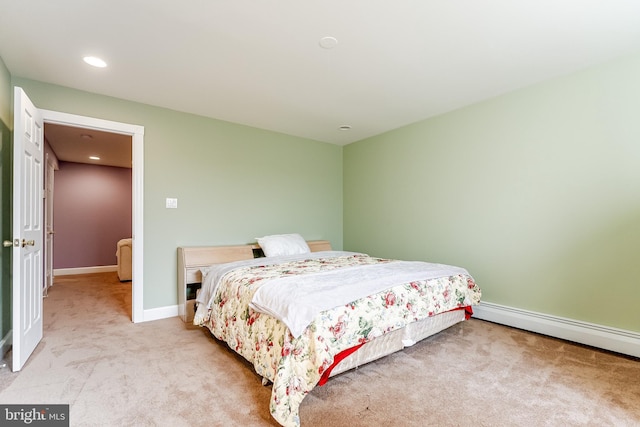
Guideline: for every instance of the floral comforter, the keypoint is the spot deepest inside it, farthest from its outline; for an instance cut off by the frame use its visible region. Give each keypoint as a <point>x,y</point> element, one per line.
<point>295,365</point>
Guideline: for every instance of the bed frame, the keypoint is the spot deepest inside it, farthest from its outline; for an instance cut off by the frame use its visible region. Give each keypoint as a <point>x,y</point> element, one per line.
<point>191,259</point>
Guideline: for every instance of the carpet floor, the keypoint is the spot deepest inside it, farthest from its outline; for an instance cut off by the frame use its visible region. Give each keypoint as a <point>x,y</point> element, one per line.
<point>166,373</point>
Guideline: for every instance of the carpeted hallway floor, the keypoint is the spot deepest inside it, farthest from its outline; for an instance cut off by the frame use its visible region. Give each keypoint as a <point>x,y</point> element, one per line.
<point>165,373</point>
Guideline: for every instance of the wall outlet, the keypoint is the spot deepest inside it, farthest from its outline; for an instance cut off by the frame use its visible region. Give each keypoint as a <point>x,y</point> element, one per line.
<point>172,203</point>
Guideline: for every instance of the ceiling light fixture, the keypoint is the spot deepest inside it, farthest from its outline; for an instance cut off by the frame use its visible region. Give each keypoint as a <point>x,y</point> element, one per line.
<point>95,61</point>
<point>94,157</point>
<point>345,127</point>
<point>328,42</point>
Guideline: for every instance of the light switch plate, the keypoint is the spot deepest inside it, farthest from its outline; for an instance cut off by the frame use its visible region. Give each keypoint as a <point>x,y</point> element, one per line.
<point>172,203</point>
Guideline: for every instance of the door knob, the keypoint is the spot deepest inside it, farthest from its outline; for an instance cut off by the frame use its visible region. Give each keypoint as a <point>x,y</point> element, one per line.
<point>28,243</point>
<point>10,243</point>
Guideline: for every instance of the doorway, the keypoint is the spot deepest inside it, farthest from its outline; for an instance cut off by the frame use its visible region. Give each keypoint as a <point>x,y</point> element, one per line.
<point>89,172</point>
<point>137,141</point>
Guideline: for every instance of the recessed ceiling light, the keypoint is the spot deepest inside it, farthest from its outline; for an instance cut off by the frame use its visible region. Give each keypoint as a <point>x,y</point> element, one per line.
<point>345,127</point>
<point>95,61</point>
<point>328,42</point>
<point>94,157</point>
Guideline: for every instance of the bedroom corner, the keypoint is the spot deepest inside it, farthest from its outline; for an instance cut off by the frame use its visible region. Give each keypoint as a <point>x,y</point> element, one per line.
<point>536,191</point>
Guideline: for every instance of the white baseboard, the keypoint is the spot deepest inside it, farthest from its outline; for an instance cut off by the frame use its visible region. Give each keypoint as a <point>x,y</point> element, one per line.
<point>5,343</point>
<point>84,270</point>
<point>612,339</point>
<point>160,313</point>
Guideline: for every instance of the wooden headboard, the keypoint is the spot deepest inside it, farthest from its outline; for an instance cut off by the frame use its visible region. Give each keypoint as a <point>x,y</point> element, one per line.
<point>192,258</point>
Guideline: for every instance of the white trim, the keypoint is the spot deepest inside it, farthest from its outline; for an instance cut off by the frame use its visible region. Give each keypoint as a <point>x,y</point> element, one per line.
<point>84,270</point>
<point>5,343</point>
<point>137,137</point>
<point>160,313</point>
<point>137,249</point>
<point>66,119</point>
<point>605,337</point>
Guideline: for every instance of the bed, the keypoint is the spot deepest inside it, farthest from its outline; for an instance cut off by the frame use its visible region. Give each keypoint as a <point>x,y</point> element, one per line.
<point>269,309</point>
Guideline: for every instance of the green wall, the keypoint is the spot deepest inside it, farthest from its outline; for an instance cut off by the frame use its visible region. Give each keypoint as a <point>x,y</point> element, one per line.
<point>233,183</point>
<point>6,96</point>
<point>5,199</point>
<point>536,193</point>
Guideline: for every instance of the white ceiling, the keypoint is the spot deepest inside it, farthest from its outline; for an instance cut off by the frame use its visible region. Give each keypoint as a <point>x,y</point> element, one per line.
<point>259,63</point>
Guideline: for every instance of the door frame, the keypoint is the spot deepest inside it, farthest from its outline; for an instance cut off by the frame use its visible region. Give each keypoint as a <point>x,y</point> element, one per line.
<point>50,165</point>
<point>137,177</point>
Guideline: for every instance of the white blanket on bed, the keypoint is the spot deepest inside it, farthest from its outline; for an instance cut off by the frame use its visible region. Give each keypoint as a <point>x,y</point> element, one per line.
<point>297,300</point>
<point>212,274</point>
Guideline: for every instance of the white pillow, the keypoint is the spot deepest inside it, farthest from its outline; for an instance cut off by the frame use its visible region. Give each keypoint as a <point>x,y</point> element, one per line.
<point>283,244</point>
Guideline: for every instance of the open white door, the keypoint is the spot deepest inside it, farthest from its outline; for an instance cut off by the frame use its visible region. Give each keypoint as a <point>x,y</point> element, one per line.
<point>27,228</point>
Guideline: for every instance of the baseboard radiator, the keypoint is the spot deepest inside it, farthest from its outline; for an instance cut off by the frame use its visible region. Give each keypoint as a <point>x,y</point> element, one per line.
<point>607,338</point>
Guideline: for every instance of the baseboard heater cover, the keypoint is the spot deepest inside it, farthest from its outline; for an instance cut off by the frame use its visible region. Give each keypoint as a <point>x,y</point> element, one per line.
<point>604,337</point>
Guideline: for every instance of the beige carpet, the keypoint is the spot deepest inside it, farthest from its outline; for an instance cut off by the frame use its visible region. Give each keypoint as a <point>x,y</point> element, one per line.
<point>165,373</point>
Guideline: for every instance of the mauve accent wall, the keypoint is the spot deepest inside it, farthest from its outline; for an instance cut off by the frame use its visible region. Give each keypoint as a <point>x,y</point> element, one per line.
<point>91,212</point>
